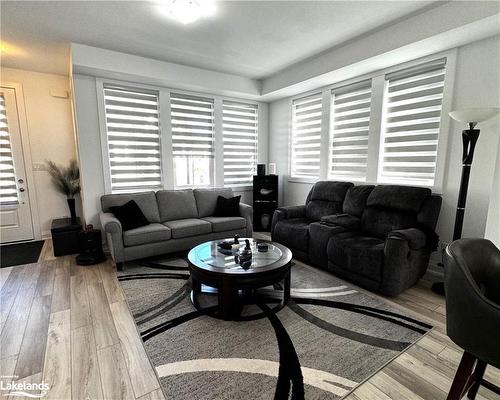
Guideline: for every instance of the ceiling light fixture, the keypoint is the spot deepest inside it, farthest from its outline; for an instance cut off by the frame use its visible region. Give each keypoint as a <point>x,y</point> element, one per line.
<point>187,11</point>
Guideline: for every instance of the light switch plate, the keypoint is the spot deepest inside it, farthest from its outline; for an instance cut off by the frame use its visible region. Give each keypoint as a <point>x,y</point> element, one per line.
<point>39,167</point>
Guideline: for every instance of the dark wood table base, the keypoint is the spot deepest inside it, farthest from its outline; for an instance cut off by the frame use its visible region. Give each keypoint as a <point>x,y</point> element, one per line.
<point>234,291</point>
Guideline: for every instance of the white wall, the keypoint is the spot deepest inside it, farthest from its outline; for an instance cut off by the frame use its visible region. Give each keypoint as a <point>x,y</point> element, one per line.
<point>89,146</point>
<point>493,221</point>
<point>51,136</point>
<point>94,61</point>
<point>477,84</point>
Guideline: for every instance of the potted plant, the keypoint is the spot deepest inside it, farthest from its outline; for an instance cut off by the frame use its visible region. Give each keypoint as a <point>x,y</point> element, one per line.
<point>67,181</point>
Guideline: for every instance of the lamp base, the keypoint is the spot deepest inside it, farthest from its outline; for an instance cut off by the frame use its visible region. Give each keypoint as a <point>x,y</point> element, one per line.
<point>438,288</point>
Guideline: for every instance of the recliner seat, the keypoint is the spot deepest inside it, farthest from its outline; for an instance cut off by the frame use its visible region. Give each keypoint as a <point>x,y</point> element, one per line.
<point>290,225</point>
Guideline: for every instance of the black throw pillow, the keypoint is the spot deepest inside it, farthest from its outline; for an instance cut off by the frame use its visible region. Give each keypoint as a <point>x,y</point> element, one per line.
<point>228,207</point>
<point>129,215</point>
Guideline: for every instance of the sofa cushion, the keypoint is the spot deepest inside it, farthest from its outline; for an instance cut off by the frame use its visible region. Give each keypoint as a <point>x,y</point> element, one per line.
<point>326,198</point>
<point>293,232</point>
<point>188,227</point>
<point>146,234</point>
<point>379,223</point>
<point>145,200</point>
<point>227,207</point>
<point>176,204</point>
<point>357,253</point>
<point>129,215</point>
<point>206,200</point>
<point>221,224</point>
<point>402,198</point>
<point>355,199</point>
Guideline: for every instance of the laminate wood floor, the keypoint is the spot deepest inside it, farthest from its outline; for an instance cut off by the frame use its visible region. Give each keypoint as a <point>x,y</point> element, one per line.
<point>69,326</point>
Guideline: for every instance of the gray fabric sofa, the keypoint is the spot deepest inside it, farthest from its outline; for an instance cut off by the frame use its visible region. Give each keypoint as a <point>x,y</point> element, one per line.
<point>179,220</point>
<point>374,236</point>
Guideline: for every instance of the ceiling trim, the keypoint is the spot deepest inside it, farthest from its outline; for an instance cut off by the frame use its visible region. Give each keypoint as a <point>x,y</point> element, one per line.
<point>87,60</point>
<point>450,25</point>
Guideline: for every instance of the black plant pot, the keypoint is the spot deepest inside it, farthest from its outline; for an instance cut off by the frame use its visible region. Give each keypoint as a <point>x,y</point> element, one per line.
<point>71,205</point>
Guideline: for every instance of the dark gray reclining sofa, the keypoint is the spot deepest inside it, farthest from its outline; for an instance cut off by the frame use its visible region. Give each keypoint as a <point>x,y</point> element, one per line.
<point>374,236</point>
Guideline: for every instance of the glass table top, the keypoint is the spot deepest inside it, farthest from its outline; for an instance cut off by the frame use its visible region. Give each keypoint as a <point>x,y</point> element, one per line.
<point>211,254</point>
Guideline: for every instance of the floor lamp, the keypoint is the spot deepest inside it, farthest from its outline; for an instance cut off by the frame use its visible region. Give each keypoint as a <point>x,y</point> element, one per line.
<point>471,117</point>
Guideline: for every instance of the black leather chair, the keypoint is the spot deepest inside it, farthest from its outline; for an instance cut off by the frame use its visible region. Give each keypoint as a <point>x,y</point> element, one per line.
<point>472,285</point>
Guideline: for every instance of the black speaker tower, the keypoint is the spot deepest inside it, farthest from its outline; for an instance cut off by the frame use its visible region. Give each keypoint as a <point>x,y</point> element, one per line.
<point>265,201</point>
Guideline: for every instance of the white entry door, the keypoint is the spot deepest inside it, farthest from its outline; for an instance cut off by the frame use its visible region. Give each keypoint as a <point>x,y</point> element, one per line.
<point>15,211</point>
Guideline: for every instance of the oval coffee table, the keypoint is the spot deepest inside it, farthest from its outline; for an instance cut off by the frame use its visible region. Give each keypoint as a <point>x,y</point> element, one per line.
<point>210,267</point>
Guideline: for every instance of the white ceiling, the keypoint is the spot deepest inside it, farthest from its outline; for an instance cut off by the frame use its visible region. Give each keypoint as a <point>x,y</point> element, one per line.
<point>254,39</point>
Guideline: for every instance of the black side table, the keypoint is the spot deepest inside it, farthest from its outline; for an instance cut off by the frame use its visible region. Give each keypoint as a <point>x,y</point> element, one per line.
<point>65,236</point>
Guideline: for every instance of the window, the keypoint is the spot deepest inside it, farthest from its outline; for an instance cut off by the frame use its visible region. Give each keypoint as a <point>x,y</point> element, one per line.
<point>133,137</point>
<point>239,132</point>
<point>386,127</point>
<point>192,139</point>
<point>306,136</point>
<point>412,116</point>
<point>8,188</point>
<point>349,132</point>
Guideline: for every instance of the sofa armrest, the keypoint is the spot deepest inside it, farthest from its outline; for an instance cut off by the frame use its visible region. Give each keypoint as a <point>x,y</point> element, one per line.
<point>246,211</point>
<point>405,260</point>
<point>415,238</point>
<point>110,223</point>
<point>293,211</point>
<point>349,222</point>
<point>113,228</point>
<point>283,213</point>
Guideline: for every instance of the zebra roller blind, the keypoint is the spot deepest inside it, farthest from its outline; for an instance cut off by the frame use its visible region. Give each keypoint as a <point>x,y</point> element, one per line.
<point>412,118</point>
<point>239,132</point>
<point>306,136</point>
<point>350,129</point>
<point>133,135</point>
<point>192,126</point>
<point>8,188</point>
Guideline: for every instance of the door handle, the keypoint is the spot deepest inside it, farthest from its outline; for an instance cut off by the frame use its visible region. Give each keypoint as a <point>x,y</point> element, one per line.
<point>20,181</point>
<point>21,190</point>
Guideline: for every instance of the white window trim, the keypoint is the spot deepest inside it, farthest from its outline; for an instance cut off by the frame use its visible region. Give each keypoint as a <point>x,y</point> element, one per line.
<point>290,137</point>
<point>377,119</point>
<point>168,181</point>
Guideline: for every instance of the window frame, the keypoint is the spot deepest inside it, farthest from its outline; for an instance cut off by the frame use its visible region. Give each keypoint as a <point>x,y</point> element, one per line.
<point>377,119</point>
<point>257,130</point>
<point>331,134</point>
<point>212,163</point>
<point>324,125</point>
<point>104,134</point>
<point>164,112</point>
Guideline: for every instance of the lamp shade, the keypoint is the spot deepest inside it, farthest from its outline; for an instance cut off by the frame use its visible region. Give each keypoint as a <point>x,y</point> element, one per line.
<point>474,115</point>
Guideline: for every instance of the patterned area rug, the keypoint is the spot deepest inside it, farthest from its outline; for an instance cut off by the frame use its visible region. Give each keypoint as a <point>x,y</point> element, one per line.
<point>327,340</point>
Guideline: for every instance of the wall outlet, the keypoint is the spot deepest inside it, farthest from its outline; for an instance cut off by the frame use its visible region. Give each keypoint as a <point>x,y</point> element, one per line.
<point>62,94</point>
<point>39,166</point>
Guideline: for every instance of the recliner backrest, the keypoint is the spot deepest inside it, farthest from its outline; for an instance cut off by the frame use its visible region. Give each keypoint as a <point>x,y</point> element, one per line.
<point>391,207</point>
<point>355,199</point>
<point>326,198</point>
